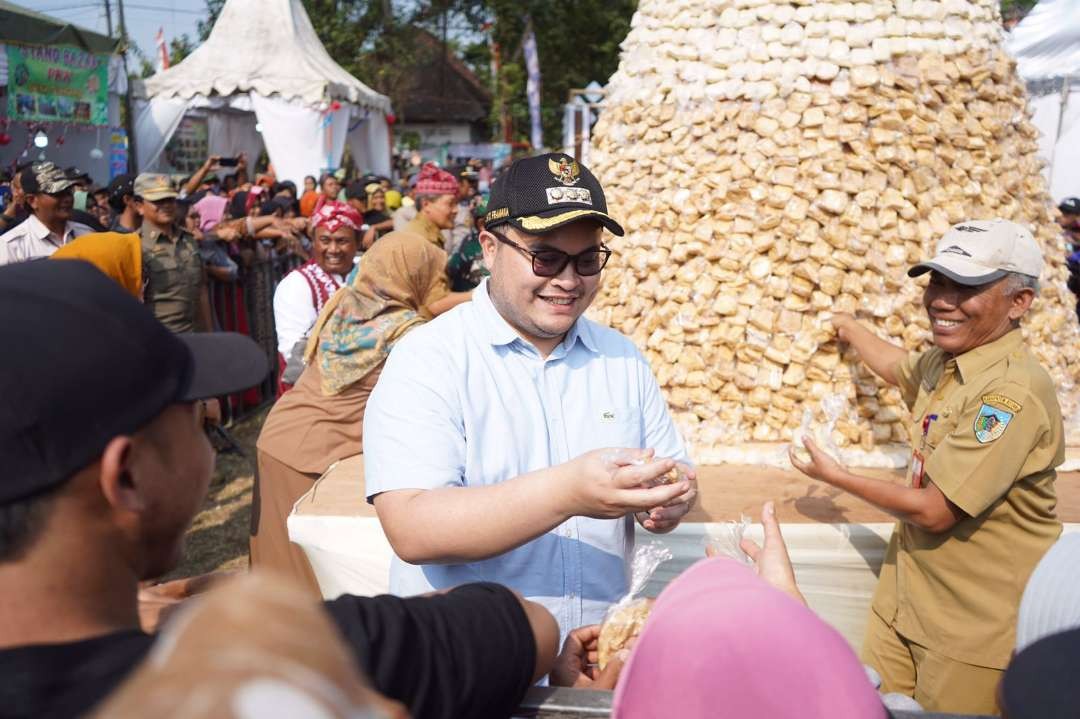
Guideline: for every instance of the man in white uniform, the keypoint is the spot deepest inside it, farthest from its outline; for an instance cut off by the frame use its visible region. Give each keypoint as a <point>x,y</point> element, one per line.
<point>49,227</point>
<point>514,441</point>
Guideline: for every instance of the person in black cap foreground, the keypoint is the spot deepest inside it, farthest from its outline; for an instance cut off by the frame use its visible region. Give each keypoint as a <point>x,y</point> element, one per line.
<point>533,408</point>
<point>1040,682</point>
<point>48,196</point>
<point>104,465</point>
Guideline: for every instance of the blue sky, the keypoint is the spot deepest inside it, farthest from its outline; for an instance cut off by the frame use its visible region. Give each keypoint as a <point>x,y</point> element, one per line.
<point>143,17</point>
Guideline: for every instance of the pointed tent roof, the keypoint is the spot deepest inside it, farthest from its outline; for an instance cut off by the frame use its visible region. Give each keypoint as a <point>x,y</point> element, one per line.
<point>268,47</point>
<point>1046,43</point>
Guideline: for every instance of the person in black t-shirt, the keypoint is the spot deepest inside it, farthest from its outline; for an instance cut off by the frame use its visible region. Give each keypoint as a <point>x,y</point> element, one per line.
<point>104,466</point>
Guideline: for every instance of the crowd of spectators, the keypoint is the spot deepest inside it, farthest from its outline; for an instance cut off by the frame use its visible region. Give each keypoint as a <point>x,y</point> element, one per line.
<point>108,444</point>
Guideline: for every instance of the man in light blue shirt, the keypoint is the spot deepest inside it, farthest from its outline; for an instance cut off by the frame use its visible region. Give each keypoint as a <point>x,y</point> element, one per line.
<point>512,440</point>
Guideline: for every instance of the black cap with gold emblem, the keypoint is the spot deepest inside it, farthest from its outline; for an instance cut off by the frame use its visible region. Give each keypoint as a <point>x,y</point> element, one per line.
<point>540,194</point>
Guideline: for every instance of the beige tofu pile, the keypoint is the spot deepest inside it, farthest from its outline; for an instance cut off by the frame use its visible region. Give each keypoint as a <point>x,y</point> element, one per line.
<point>775,163</point>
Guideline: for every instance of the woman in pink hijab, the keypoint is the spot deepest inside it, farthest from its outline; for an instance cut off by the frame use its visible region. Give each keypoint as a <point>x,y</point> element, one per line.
<point>722,642</point>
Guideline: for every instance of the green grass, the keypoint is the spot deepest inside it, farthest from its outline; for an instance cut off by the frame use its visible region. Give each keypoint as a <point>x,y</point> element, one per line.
<point>218,538</point>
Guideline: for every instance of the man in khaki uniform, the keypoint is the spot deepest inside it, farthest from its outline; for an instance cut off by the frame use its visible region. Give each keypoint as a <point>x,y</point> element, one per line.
<point>175,277</point>
<point>977,511</point>
<point>436,205</point>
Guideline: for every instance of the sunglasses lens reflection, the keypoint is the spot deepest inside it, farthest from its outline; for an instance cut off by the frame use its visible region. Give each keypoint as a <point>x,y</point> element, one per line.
<point>549,264</point>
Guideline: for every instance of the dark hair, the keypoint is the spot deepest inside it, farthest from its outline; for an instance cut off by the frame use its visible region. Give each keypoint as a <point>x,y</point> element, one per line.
<point>355,191</point>
<point>116,202</point>
<point>21,523</point>
<point>279,187</point>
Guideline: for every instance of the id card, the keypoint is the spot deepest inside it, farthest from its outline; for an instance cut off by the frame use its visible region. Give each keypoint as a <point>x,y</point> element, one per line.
<point>917,469</point>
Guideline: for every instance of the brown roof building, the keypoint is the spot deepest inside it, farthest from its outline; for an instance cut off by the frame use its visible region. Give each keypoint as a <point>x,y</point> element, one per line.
<point>445,101</point>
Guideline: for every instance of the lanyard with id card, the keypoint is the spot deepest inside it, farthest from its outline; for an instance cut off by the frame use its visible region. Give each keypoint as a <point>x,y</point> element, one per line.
<point>918,460</point>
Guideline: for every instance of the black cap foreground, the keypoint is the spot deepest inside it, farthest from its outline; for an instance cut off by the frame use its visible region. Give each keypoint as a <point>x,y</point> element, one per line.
<point>541,194</point>
<point>82,362</point>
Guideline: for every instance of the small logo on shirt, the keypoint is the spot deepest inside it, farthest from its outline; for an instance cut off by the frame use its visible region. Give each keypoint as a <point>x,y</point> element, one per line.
<point>607,416</point>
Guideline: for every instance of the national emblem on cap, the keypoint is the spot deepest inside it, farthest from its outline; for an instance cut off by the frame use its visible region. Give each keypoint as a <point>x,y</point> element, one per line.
<point>541,194</point>
<point>565,170</point>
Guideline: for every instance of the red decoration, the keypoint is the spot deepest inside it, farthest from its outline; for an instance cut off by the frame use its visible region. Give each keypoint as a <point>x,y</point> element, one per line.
<point>391,118</point>
<point>4,138</point>
<point>335,106</point>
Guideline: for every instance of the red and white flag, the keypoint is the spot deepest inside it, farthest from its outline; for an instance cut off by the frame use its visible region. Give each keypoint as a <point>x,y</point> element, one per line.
<point>162,50</point>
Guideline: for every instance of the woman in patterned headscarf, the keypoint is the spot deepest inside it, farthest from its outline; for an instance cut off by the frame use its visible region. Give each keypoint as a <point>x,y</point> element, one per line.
<point>400,283</point>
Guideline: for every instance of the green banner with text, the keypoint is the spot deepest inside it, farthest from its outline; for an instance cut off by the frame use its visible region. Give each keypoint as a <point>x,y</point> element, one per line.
<point>57,84</point>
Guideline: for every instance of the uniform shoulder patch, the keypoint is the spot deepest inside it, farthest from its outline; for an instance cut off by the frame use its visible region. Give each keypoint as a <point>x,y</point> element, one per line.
<point>991,422</point>
<point>1001,401</point>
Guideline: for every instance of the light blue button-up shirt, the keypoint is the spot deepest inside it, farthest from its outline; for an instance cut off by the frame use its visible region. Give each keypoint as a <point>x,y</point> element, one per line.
<point>463,402</point>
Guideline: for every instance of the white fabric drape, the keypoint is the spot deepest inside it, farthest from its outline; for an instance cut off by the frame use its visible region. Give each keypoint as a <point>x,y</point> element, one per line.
<point>229,134</point>
<point>1059,140</point>
<point>1046,43</point>
<point>155,122</point>
<point>296,139</point>
<point>369,144</point>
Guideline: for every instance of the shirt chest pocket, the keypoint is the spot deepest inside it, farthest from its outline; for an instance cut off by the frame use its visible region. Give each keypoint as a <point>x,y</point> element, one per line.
<point>613,426</point>
<point>941,427</point>
<point>171,272</point>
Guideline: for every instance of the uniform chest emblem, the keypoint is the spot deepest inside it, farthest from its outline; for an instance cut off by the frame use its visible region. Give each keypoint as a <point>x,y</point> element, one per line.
<point>607,416</point>
<point>991,422</point>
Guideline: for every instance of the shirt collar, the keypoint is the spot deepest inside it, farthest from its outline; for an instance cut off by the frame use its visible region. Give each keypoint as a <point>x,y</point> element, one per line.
<point>150,236</point>
<point>429,229</point>
<point>500,333</point>
<point>36,230</point>
<point>974,361</point>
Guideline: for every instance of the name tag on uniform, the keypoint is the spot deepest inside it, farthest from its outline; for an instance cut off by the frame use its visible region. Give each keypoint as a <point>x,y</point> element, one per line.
<point>917,469</point>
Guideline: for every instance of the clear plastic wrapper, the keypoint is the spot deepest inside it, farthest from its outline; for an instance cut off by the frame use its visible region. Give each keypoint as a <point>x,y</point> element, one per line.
<point>724,539</point>
<point>622,457</point>
<point>834,407</point>
<point>625,619</point>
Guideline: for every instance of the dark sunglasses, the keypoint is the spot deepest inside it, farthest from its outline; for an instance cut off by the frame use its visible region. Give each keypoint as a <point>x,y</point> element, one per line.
<point>550,263</point>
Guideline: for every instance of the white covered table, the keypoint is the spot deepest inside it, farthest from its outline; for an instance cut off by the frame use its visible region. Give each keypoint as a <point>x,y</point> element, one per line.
<point>836,542</point>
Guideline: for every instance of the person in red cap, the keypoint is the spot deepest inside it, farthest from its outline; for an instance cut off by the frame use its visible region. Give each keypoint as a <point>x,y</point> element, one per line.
<point>436,204</point>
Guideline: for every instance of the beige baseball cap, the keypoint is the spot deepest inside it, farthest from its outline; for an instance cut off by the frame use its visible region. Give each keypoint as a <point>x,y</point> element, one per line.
<point>154,187</point>
<point>975,252</point>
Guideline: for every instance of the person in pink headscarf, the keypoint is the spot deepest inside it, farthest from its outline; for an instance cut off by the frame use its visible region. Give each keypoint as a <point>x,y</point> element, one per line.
<point>722,640</point>
<point>302,293</point>
<point>211,210</point>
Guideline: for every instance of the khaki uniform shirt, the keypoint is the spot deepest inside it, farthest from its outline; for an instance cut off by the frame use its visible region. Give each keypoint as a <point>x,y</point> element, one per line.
<point>427,229</point>
<point>992,451</point>
<point>174,276</point>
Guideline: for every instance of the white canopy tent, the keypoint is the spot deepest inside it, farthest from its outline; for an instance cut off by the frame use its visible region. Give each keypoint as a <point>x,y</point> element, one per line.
<point>1046,45</point>
<point>263,63</point>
